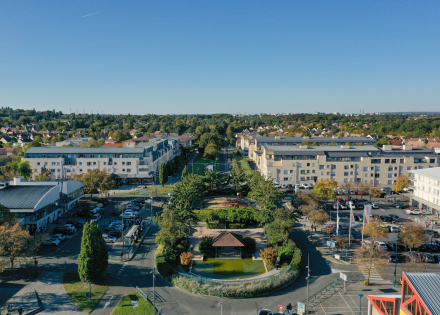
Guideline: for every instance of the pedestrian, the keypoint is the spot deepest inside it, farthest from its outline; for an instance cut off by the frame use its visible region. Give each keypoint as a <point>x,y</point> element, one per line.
<point>289,308</point>
<point>315,227</point>
<point>122,255</point>
<point>20,311</point>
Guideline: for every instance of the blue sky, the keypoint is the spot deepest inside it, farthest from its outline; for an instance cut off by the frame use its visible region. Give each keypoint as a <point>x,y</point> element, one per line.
<point>173,57</point>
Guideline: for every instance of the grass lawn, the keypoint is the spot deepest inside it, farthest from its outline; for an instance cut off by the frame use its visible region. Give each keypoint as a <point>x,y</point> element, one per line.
<point>125,307</point>
<point>76,290</point>
<point>160,191</point>
<point>199,163</point>
<point>244,165</point>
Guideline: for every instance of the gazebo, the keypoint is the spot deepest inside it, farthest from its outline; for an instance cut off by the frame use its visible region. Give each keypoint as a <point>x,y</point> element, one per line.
<point>226,243</point>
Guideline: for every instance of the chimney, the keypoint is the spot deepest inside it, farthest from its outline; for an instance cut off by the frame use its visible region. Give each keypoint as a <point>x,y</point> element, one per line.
<point>407,147</point>
<point>18,180</point>
<point>387,147</point>
<point>335,137</point>
<point>303,147</point>
<point>306,137</point>
<point>345,147</point>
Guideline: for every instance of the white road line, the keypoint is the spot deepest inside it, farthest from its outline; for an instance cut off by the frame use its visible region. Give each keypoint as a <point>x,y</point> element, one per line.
<point>108,303</point>
<point>346,302</point>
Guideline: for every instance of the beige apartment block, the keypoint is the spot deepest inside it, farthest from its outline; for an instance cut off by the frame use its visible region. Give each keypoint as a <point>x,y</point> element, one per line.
<point>298,164</point>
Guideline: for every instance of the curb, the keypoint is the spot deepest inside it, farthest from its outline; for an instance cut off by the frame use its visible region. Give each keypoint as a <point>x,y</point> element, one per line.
<point>140,243</point>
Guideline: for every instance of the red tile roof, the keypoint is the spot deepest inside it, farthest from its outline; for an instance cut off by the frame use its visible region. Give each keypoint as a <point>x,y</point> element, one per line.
<point>228,239</point>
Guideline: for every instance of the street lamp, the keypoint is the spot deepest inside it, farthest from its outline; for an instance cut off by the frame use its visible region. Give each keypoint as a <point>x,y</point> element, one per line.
<point>395,265</point>
<point>154,293</point>
<point>360,303</point>
<point>221,306</point>
<point>308,277</point>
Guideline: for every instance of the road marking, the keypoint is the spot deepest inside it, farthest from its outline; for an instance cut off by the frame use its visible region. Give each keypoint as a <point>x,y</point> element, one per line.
<point>108,303</point>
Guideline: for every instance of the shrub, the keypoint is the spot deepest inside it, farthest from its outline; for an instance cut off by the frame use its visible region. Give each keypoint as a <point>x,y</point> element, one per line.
<point>285,254</point>
<point>291,243</point>
<point>186,258</point>
<point>205,245</point>
<point>171,255</point>
<point>159,251</point>
<point>250,245</point>
<point>296,259</point>
<point>269,256</point>
<point>164,268</point>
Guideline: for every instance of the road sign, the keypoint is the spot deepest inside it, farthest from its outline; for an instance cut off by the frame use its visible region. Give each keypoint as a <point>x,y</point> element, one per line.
<point>301,308</point>
<point>343,276</point>
<point>281,308</point>
<point>143,191</point>
<point>337,257</point>
<point>331,243</point>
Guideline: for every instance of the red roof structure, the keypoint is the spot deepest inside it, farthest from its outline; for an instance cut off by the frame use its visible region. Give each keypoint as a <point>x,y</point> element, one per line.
<point>228,239</point>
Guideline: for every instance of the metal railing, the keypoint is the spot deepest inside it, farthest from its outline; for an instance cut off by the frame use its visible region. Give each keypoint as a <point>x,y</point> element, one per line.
<point>231,282</point>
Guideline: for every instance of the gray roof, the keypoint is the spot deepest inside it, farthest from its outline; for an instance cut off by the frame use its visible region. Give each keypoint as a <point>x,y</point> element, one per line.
<point>314,139</point>
<point>23,197</point>
<point>427,286</point>
<point>433,172</point>
<point>416,152</point>
<point>322,150</point>
<point>79,150</point>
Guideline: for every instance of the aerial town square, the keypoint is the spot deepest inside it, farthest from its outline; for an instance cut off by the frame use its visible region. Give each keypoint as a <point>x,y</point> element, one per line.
<point>219,157</point>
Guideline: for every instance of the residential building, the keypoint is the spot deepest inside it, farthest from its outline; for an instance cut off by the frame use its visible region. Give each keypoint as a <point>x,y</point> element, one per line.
<point>127,164</point>
<point>419,295</point>
<point>426,195</point>
<point>38,203</point>
<point>73,141</point>
<point>367,164</point>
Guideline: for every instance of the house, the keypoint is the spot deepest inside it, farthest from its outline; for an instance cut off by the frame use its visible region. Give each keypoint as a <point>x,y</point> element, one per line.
<point>434,146</point>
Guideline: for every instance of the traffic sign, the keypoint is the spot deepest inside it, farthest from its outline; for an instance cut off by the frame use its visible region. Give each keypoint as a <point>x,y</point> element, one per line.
<point>143,191</point>
<point>281,308</point>
<point>301,308</point>
<point>343,276</point>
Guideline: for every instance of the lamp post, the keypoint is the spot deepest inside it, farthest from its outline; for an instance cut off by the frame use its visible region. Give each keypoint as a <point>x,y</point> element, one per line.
<point>154,293</point>
<point>360,303</point>
<point>395,264</point>
<point>221,306</point>
<point>308,277</point>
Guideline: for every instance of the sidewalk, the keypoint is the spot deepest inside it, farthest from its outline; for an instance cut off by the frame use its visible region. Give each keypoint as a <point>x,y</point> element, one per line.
<point>49,287</point>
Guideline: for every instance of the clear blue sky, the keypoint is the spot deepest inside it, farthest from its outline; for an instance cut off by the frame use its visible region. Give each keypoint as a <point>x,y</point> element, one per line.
<point>207,56</point>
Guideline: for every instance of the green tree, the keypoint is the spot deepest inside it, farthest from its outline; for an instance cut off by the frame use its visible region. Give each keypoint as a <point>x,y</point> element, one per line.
<point>382,142</point>
<point>184,172</point>
<point>44,175</point>
<point>6,216</point>
<point>170,229</point>
<point>96,179</point>
<point>93,257</point>
<point>20,167</point>
<point>12,243</point>
<point>163,175</point>
<point>210,151</point>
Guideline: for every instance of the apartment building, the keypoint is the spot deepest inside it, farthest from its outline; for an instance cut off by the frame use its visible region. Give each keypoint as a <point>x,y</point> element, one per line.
<point>127,164</point>
<point>426,194</point>
<point>250,143</point>
<point>294,164</point>
<point>38,203</point>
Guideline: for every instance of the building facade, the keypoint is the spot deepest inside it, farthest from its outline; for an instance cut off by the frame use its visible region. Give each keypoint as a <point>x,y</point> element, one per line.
<point>128,165</point>
<point>289,165</point>
<point>38,203</point>
<point>426,195</point>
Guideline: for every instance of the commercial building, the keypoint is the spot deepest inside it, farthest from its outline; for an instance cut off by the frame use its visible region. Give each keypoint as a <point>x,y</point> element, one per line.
<point>38,203</point>
<point>289,165</point>
<point>420,295</point>
<point>128,165</point>
<point>426,195</point>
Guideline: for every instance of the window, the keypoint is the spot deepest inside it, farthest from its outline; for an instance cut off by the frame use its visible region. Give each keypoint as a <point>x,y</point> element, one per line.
<point>52,170</point>
<point>393,161</point>
<point>351,173</point>
<point>345,180</point>
<point>328,166</point>
<point>431,160</point>
<point>321,167</point>
<point>303,171</point>
<point>408,168</point>
<point>58,163</point>
<point>402,161</point>
<point>128,163</point>
<point>390,175</point>
<point>375,161</point>
<point>291,171</point>
<point>366,169</point>
<point>293,164</point>
<point>313,171</point>
<point>53,163</point>
<point>376,175</point>
<point>105,163</point>
<point>270,164</point>
<point>377,168</point>
<point>314,164</point>
<point>346,167</point>
<point>333,167</point>
<point>80,170</point>
<point>308,164</point>
<point>89,163</point>
<point>35,170</point>
<point>123,163</point>
<point>345,173</point>
<point>116,163</point>
<point>302,178</point>
<point>80,163</point>
<point>366,174</point>
<point>128,170</point>
<point>299,164</point>
<point>286,172</point>
<point>94,163</point>
<point>328,173</point>
<point>390,182</point>
<point>387,161</point>
<point>38,163</point>
<point>123,169</point>
<point>322,173</point>
<point>390,169</point>
<point>68,170</point>
<point>285,179</point>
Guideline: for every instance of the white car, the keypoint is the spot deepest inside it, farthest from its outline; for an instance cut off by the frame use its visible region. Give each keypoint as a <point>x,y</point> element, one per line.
<point>70,227</point>
<point>380,245</point>
<point>131,211</point>
<point>393,228</point>
<point>171,193</point>
<point>96,218</point>
<point>108,239</point>
<point>128,216</point>
<point>375,206</point>
<point>412,211</point>
<point>60,237</point>
<point>51,242</point>
<point>305,185</point>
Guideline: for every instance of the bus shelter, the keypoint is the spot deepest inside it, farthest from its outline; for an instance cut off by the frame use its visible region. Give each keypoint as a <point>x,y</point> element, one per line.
<point>131,235</point>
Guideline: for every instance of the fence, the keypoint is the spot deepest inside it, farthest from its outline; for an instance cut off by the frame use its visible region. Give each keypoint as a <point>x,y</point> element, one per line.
<point>231,282</point>
<point>331,288</point>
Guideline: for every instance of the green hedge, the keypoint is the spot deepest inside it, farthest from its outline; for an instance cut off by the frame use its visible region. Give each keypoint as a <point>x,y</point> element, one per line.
<point>164,268</point>
<point>296,260</point>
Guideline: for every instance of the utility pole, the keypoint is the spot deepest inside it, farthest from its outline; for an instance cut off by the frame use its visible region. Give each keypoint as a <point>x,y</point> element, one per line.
<point>308,277</point>
<point>349,224</point>
<point>337,218</point>
<point>154,292</point>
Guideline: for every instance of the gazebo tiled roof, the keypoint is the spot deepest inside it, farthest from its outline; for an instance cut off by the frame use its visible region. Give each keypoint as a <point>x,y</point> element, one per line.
<point>228,239</point>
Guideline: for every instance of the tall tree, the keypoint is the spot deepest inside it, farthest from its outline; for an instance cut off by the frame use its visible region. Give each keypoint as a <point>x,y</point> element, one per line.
<point>96,179</point>
<point>412,235</point>
<point>375,230</point>
<point>163,175</point>
<point>324,190</point>
<point>12,243</point>
<point>184,172</point>
<point>93,257</point>
<point>370,257</point>
<point>400,183</point>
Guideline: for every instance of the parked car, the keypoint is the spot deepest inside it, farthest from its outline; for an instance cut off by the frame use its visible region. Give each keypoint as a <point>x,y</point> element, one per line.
<point>413,257</point>
<point>51,242</point>
<point>76,224</point>
<point>82,214</point>
<point>358,217</point>
<point>385,218</point>
<point>131,211</point>
<point>428,247</point>
<point>96,217</point>
<point>412,211</point>
<point>392,257</point>
<point>393,228</point>
<point>128,216</point>
<point>395,217</point>
<point>108,239</point>
<point>60,237</point>
<point>380,245</point>
<point>400,205</point>
<point>109,248</point>
<point>427,258</point>
<point>432,233</point>
<point>332,226</point>
<point>375,206</point>
<point>62,230</point>
<point>265,312</point>
<point>115,233</point>
<point>69,226</point>
<point>392,246</point>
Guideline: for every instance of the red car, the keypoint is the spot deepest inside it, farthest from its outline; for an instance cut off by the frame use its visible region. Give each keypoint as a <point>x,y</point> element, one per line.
<point>332,226</point>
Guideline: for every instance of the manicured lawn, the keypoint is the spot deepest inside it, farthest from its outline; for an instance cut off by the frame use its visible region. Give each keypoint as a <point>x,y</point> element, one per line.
<point>125,307</point>
<point>160,191</point>
<point>244,165</point>
<point>199,163</point>
<point>76,290</point>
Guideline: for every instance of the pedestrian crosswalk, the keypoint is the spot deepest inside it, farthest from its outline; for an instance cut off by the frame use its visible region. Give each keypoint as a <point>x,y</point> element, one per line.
<point>332,269</point>
<point>374,275</point>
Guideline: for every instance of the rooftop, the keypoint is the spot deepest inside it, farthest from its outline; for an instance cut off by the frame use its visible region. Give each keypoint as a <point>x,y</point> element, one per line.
<point>427,286</point>
<point>433,172</point>
<point>228,239</point>
<point>80,150</point>
<point>23,197</point>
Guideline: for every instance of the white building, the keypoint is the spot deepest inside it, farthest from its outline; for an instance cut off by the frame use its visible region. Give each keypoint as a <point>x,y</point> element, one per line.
<point>426,194</point>
<point>38,203</point>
